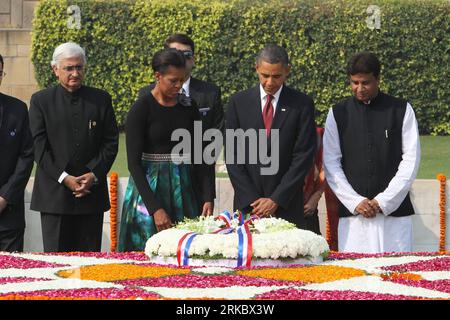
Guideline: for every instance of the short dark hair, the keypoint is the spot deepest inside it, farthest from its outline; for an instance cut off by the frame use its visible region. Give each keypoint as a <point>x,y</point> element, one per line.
<point>179,38</point>
<point>364,62</point>
<point>165,58</point>
<point>1,60</point>
<point>273,54</point>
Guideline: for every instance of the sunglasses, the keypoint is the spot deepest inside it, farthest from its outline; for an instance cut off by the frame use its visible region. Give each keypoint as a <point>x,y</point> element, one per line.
<point>188,54</point>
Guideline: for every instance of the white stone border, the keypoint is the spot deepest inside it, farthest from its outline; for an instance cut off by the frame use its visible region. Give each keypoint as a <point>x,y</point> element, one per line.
<point>231,263</point>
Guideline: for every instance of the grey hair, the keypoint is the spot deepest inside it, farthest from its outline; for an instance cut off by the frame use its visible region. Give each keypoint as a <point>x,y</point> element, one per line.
<point>66,51</point>
<point>273,54</point>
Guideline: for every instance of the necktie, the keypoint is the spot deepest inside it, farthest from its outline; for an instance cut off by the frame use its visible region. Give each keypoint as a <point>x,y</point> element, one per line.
<point>268,114</point>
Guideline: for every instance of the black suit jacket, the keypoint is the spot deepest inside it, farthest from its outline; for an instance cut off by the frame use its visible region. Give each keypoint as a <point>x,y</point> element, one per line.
<point>294,117</point>
<point>16,160</point>
<point>81,142</point>
<point>208,100</point>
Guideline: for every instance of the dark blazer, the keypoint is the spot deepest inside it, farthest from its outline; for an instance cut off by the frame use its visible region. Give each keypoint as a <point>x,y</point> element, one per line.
<point>16,160</point>
<point>75,142</point>
<point>294,117</point>
<point>208,100</point>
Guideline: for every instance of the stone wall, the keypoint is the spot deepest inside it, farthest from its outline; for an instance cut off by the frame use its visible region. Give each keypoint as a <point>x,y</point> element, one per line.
<point>15,46</point>
<point>424,195</point>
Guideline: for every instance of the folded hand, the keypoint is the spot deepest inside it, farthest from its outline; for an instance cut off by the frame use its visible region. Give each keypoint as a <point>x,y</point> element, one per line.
<point>80,186</point>
<point>368,208</point>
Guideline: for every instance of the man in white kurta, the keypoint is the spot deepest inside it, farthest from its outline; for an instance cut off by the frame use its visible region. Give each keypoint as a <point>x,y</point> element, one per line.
<point>378,217</point>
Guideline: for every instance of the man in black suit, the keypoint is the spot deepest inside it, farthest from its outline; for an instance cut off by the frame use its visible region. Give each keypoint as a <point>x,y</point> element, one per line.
<point>76,141</point>
<point>207,97</point>
<point>16,162</point>
<point>283,116</point>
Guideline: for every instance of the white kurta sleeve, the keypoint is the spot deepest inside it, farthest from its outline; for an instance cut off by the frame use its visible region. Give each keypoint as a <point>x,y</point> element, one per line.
<point>392,197</point>
<point>334,173</point>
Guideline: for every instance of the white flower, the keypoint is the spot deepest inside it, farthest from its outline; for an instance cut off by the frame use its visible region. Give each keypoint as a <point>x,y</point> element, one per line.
<point>212,270</point>
<point>268,225</point>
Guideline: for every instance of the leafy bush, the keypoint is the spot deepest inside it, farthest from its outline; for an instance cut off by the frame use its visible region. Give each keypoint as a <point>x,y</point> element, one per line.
<point>120,38</point>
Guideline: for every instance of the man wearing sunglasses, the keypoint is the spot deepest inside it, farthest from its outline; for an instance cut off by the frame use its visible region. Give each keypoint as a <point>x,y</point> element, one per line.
<point>206,95</point>
<point>16,162</point>
<point>76,141</point>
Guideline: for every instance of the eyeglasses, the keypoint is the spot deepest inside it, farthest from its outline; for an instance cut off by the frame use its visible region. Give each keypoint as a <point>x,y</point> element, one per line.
<point>72,68</point>
<point>188,54</point>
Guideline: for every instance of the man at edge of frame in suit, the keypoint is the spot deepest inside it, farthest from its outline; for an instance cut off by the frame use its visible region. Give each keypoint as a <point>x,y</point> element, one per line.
<point>16,163</point>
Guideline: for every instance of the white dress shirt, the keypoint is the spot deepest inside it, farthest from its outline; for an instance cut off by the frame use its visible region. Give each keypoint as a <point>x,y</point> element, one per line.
<point>276,98</point>
<point>185,87</point>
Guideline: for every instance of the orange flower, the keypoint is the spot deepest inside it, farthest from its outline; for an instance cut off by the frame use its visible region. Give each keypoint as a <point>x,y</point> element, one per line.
<point>402,276</point>
<point>328,230</point>
<point>116,272</point>
<point>442,223</point>
<point>113,211</point>
<point>313,274</point>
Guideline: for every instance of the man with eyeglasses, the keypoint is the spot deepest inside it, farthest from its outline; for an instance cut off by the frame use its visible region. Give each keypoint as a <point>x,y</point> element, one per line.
<point>16,162</point>
<point>207,97</point>
<point>76,141</point>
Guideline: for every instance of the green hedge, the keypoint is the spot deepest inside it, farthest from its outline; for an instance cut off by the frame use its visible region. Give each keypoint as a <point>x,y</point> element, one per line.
<point>120,38</point>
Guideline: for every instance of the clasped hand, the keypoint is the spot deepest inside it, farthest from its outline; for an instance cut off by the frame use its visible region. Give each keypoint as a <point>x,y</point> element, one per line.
<point>80,186</point>
<point>368,208</point>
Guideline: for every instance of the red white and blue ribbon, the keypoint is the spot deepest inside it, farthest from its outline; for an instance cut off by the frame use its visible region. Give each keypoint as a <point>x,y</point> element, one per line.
<point>245,246</point>
<point>226,217</point>
<point>241,218</point>
<point>183,248</point>
<point>245,241</point>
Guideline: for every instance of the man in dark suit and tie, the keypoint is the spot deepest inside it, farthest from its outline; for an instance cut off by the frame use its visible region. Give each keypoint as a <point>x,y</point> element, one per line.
<point>76,141</point>
<point>286,117</point>
<point>207,97</point>
<point>16,162</point>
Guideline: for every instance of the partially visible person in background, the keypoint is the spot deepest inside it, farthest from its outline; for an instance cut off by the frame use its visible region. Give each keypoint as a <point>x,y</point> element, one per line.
<point>16,163</point>
<point>314,187</point>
